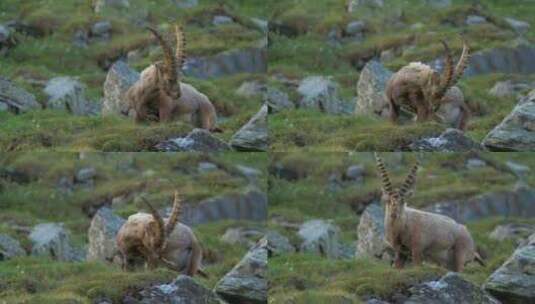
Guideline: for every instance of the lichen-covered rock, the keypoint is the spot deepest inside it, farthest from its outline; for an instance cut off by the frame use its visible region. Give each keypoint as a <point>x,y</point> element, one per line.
<point>253,136</point>
<point>514,281</point>
<point>320,237</point>
<point>512,231</point>
<point>371,232</point>
<point>450,289</point>
<point>102,233</point>
<point>183,289</point>
<point>52,240</point>
<point>102,5</point>
<point>119,79</point>
<point>247,281</point>
<point>371,90</point>
<point>517,131</point>
<point>451,140</point>
<point>15,99</point>
<point>277,100</point>
<point>10,248</point>
<point>197,140</point>
<point>67,93</point>
<point>320,93</point>
<point>278,244</point>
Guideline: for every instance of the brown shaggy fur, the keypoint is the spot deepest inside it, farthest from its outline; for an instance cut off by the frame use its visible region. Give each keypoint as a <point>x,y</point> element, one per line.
<point>159,95</point>
<point>428,236</point>
<point>422,90</point>
<point>160,242</point>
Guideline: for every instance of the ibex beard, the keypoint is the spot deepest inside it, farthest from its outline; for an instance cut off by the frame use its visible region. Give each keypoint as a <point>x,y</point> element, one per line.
<point>160,242</point>
<point>422,90</point>
<point>427,236</point>
<point>160,96</point>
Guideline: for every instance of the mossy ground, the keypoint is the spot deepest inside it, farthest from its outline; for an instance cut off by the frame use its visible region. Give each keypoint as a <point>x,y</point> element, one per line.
<point>36,200</point>
<point>49,52</point>
<point>300,278</point>
<point>309,53</point>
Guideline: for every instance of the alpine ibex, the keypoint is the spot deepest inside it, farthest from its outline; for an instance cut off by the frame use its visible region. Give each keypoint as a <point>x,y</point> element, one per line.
<point>168,243</point>
<point>159,95</point>
<point>420,89</point>
<point>428,236</point>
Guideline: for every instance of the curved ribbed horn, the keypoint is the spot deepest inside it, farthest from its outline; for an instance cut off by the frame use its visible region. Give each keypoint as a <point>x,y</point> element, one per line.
<point>409,181</point>
<point>385,180</point>
<point>159,221</point>
<point>175,213</point>
<point>447,73</point>
<point>180,52</point>
<point>169,60</point>
<point>462,64</point>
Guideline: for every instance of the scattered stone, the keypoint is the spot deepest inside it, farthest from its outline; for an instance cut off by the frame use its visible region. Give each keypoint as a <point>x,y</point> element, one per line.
<point>278,244</point>
<point>65,184</point>
<point>251,174</point>
<point>102,5</point>
<point>438,3</point>
<point>119,79</point>
<point>186,3</point>
<point>277,100</point>
<point>514,281</point>
<point>251,88</point>
<point>247,281</point>
<point>242,236</point>
<point>206,167</point>
<point>16,99</point>
<point>371,233</point>
<point>52,240</point>
<point>67,93</point>
<point>253,136</point>
<point>102,235</point>
<point>387,55</point>
<point>183,289</point>
<point>197,140</point>
<point>355,173</point>
<point>517,131</point>
<point>319,237</point>
<point>517,232</point>
<point>320,93</point>
<point>354,4</point>
<point>250,60</point>
<point>221,20</point>
<point>355,27</point>
<point>450,289</point>
<point>508,89</point>
<point>86,174</point>
<point>474,163</point>
<point>452,140</point>
<point>451,113</point>
<point>518,169</point>
<point>10,248</point>
<point>521,27</point>
<point>370,90</point>
<point>101,30</point>
<point>474,20</point>
<point>5,34</point>
<point>80,39</point>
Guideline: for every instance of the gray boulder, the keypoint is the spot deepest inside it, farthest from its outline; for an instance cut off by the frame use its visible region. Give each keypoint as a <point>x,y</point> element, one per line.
<point>514,281</point>
<point>67,93</point>
<point>251,89</point>
<point>197,140</point>
<point>15,99</point>
<point>521,27</point>
<point>85,175</point>
<point>355,173</point>
<point>320,237</point>
<point>119,79</point>
<point>101,30</point>
<point>247,281</point>
<point>371,233</point>
<point>371,90</point>
<point>438,3</point>
<point>475,20</point>
<point>450,289</point>
<point>513,231</point>
<point>353,5</point>
<point>278,244</point>
<point>320,93</point>
<point>52,240</point>
<point>102,233</point>
<point>355,27</point>
<point>277,100</point>
<point>184,4</point>
<point>10,248</point>
<point>5,34</point>
<point>508,89</point>
<point>451,140</point>
<point>249,60</point>
<point>517,131</point>
<point>242,236</point>
<point>253,136</point>
<point>183,290</point>
<point>221,20</point>
<point>101,6</point>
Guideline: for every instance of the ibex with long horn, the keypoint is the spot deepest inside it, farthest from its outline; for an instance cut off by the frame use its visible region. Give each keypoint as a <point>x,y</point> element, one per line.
<point>160,242</point>
<point>159,94</point>
<point>422,90</point>
<point>428,236</point>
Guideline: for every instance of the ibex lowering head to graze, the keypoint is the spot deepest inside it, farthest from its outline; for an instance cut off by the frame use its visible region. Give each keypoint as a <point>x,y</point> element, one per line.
<point>159,95</point>
<point>160,242</point>
<point>428,236</point>
<point>422,90</point>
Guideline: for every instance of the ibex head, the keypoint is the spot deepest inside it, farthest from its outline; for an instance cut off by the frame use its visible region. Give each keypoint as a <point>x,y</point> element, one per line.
<point>172,64</point>
<point>395,202</point>
<point>161,230</point>
<point>441,83</point>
